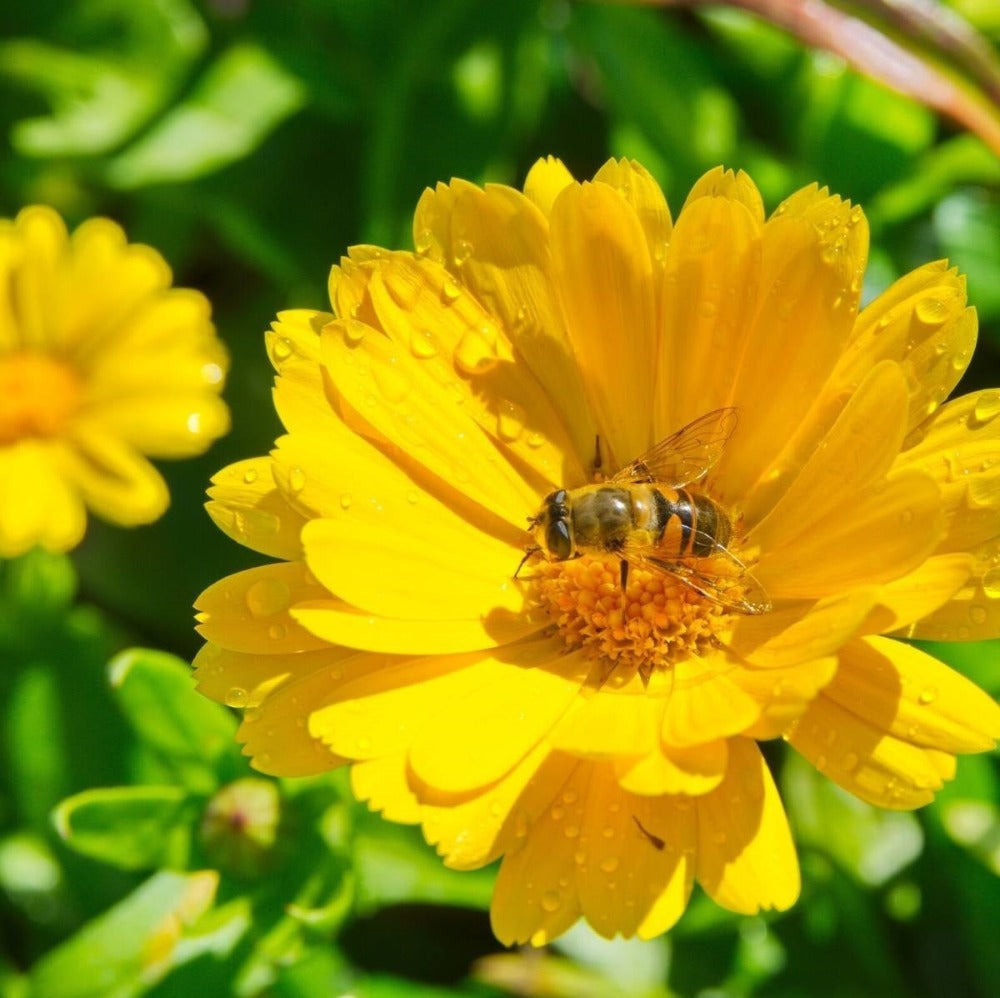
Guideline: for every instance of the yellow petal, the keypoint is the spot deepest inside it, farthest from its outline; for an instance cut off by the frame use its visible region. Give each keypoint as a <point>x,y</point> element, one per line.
<point>502,239</point>
<point>337,622</point>
<point>867,762</point>
<point>37,505</point>
<point>909,694</point>
<point>857,451</point>
<point>246,505</point>
<point>382,783</point>
<point>608,724</point>
<point>115,480</point>
<point>604,280</point>
<point>722,183</point>
<point>634,182</point>
<point>694,770</point>
<point>784,694</point>
<point>803,632</point>
<point>712,269</point>
<point>904,602</point>
<point>249,611</point>
<point>705,703</point>
<point>478,736</point>
<point>874,537</point>
<point>33,281</point>
<point>922,322</point>
<point>814,251</point>
<point>545,180</point>
<point>476,831</point>
<point>746,857</point>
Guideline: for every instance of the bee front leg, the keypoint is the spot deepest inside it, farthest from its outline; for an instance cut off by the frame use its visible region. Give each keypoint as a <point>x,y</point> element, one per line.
<point>533,550</point>
<point>623,571</point>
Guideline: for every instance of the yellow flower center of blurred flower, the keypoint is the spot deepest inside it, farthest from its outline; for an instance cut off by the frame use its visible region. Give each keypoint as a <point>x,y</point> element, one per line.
<point>38,394</point>
<point>656,622</point>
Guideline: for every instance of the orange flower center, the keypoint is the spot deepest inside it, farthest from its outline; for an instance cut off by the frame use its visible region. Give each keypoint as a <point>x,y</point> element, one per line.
<point>38,394</point>
<point>656,622</point>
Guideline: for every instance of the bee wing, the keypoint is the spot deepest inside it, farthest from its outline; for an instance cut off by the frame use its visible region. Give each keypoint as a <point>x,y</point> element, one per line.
<point>686,455</point>
<point>753,599</point>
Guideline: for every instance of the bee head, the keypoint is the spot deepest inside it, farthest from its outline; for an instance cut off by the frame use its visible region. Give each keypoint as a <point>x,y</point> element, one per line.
<point>551,527</point>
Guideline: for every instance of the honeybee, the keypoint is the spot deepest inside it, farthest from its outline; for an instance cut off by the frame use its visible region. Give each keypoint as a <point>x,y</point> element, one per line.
<point>647,516</point>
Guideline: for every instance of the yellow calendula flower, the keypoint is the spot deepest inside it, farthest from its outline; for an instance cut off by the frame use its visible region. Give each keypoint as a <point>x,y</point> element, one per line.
<point>102,363</point>
<point>780,477</point>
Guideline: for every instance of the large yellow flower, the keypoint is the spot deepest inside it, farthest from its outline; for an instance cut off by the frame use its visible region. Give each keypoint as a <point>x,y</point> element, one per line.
<point>604,743</point>
<point>101,362</point>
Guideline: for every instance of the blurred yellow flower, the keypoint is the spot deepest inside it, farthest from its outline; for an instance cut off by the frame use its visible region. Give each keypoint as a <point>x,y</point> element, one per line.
<point>101,362</point>
<point>601,740</point>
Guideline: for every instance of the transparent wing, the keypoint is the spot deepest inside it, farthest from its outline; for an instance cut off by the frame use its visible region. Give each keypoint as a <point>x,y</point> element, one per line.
<point>686,455</point>
<point>749,598</point>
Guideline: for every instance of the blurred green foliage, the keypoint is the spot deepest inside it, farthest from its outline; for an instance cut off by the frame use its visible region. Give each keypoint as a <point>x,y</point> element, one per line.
<point>252,141</point>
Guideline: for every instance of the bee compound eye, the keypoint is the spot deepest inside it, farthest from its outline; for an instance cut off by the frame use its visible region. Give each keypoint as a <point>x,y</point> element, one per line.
<point>557,540</point>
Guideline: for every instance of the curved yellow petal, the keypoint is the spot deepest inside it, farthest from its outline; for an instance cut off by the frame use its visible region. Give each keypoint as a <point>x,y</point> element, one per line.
<point>874,537</point>
<point>382,783</point>
<point>904,602</point>
<point>733,186</point>
<point>477,736</point>
<point>706,703</point>
<point>603,275</point>
<point>711,274</point>
<point>608,724</point>
<point>814,249</point>
<point>865,760</point>
<point>692,771</point>
<point>246,505</point>
<point>114,479</point>
<point>251,610</point>
<point>635,183</point>
<point>502,239</point>
<point>746,857</point>
<point>914,697</point>
<point>545,181</point>
<point>784,694</point>
<point>42,246</point>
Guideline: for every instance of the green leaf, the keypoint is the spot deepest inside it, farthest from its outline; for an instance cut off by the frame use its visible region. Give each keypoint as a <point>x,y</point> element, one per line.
<point>967,223</point>
<point>240,99</point>
<point>40,582</point>
<point>131,946</point>
<point>873,844</point>
<point>193,736</point>
<point>134,828</point>
<point>121,62</point>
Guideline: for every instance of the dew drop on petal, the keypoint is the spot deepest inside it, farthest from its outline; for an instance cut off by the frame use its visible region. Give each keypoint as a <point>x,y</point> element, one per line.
<point>277,631</point>
<point>421,344</point>
<point>557,813</point>
<point>236,696</point>
<point>884,322</point>
<point>296,479</point>
<point>250,476</point>
<point>987,407</point>
<point>451,290</point>
<point>354,331</point>
<point>476,352</point>
<point>991,583</point>
<point>849,762</point>
<point>462,252</point>
<point>609,864</point>
<point>978,614</point>
<point>535,439</point>
<point>345,500</point>
<point>267,597</point>
<point>412,497</point>
<point>423,241</point>
<point>928,695</point>
<point>551,901</point>
<point>510,420</point>
<point>579,857</point>
<point>931,312</point>
<point>282,348</point>
<point>571,831</point>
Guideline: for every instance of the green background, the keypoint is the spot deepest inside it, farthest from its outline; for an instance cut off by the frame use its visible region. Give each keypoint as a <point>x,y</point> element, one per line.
<point>251,143</point>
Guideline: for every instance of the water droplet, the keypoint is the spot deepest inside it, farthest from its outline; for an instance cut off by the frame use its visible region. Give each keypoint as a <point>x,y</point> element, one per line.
<point>277,631</point>
<point>345,500</point>
<point>263,760</point>
<point>354,331</point>
<point>569,797</point>
<point>250,476</point>
<point>821,761</point>
<point>336,673</point>
<point>535,439</point>
<point>296,479</point>
<point>423,241</point>
<point>236,696</point>
<point>510,420</point>
<point>608,831</point>
<point>963,633</point>
<point>931,312</point>
<point>609,864</point>
<point>991,583</point>
<point>422,344</point>
<point>557,812</point>
<point>282,348</point>
<point>708,309</point>
<point>451,290</point>
<point>849,762</point>
<point>978,614</point>
<point>987,407</point>
<point>267,597</point>
<point>571,831</point>
<point>551,901</point>
<point>579,857</point>
<point>411,497</point>
<point>476,352</point>
<point>462,252</point>
<point>928,695</point>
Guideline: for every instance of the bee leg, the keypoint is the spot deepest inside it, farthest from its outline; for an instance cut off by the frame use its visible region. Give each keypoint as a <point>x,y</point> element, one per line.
<point>534,549</point>
<point>623,571</point>
<point>598,474</point>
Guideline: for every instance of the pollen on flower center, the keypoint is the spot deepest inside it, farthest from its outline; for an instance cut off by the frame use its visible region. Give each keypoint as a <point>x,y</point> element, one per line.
<point>656,622</point>
<point>37,396</point>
